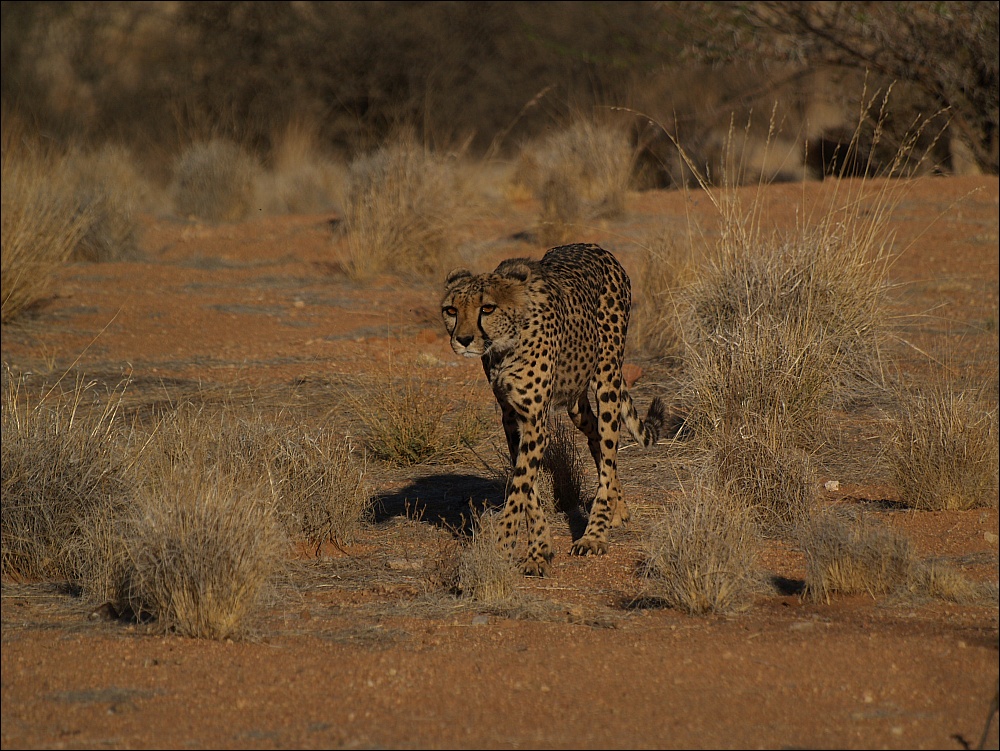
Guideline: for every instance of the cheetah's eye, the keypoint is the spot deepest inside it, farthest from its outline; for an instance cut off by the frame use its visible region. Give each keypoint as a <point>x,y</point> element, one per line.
<point>451,311</point>
<point>487,309</point>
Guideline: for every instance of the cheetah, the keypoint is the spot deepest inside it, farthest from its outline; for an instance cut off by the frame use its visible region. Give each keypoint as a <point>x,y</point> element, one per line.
<point>549,332</point>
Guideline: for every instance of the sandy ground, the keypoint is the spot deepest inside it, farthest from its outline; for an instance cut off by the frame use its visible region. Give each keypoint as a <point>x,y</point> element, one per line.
<point>368,652</point>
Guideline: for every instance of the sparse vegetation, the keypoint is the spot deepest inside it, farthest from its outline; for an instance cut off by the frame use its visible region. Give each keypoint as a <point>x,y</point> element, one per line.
<point>854,556</point>
<point>64,457</point>
<point>666,270</point>
<point>849,553</point>
<point>485,575</point>
<point>204,550</point>
<point>579,174</point>
<point>106,185</point>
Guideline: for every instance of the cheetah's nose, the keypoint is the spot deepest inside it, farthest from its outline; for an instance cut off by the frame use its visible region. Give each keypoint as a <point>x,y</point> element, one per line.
<point>465,341</point>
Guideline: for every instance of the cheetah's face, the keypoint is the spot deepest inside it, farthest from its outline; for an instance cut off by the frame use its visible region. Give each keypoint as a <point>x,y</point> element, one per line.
<point>482,313</point>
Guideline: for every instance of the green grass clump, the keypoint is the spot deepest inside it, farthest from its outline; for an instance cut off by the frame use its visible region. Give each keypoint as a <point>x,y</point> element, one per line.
<point>943,450</point>
<point>216,180</point>
<point>701,556</point>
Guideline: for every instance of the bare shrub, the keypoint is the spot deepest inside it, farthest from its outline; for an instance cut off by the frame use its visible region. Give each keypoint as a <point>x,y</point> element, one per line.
<point>943,450</point>
<point>411,421</point>
<point>215,180</point>
<point>854,556</point>
<point>106,184</point>
<point>400,207</point>
<point>64,458</point>
<point>701,556</point>
<point>41,226</point>
<point>204,549</point>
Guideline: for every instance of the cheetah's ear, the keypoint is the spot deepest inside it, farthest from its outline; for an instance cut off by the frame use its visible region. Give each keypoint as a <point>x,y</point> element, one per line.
<point>515,268</point>
<point>455,275</point>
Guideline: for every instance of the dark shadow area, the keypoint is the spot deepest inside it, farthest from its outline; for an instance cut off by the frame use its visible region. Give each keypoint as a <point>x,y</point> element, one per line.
<point>451,501</point>
<point>788,587</point>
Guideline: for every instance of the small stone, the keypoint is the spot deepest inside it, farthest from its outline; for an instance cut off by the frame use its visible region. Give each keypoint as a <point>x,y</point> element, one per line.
<point>832,485</point>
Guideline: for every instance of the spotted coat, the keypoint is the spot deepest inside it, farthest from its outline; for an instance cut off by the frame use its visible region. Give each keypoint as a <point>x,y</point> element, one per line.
<point>549,333</point>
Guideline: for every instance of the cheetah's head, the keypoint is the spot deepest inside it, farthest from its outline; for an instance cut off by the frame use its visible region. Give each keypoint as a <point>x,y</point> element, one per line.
<point>484,313</point>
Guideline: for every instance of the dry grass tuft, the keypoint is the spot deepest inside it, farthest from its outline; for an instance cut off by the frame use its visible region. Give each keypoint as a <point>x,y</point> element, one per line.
<point>302,179</point>
<point>204,550</point>
<point>106,184</point>
<point>318,483</point>
<point>216,180</point>
<point>410,421</point>
<point>41,225</point>
<point>943,450</point>
<point>941,581</point>
<point>400,208</point>
<point>486,575</point>
<point>578,174</point>
<point>701,557</point>
<point>64,459</point>
<point>854,556</point>
<point>565,465</point>
<point>758,467</point>
<point>666,269</point>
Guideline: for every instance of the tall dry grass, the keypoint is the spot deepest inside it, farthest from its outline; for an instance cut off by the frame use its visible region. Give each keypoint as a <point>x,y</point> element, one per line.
<point>107,184</point>
<point>65,458</point>
<point>301,177</point>
<point>42,225</point>
<point>666,268</point>
<point>401,206</point>
<point>780,325</point>
<point>943,451</point>
<point>185,518</point>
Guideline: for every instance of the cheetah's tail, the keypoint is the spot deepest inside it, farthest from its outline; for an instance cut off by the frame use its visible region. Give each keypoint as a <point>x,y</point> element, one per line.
<point>647,431</point>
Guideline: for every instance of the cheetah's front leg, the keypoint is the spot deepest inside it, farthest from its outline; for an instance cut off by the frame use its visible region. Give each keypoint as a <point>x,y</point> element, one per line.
<point>522,499</point>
